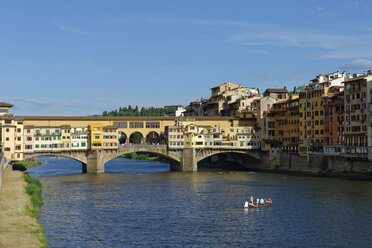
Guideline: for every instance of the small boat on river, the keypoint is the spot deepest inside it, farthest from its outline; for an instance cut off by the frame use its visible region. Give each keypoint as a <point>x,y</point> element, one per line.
<point>259,205</point>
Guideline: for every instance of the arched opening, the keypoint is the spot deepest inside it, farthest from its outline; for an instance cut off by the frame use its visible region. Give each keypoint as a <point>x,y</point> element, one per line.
<point>52,164</point>
<point>141,162</point>
<point>123,139</point>
<point>136,138</point>
<point>153,138</point>
<point>229,161</point>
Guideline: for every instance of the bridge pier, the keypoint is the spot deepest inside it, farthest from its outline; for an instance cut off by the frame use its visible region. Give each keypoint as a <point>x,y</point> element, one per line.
<point>83,167</point>
<point>95,161</point>
<point>188,160</point>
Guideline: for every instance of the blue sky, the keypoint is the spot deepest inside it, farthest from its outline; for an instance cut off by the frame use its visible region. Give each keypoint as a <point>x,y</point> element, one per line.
<point>83,57</point>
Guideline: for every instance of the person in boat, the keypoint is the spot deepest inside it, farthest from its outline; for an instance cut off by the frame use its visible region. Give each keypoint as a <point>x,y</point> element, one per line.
<point>252,199</point>
<point>262,201</point>
<point>257,201</point>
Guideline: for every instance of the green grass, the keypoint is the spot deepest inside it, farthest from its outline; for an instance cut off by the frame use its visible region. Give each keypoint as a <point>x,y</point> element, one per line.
<point>146,157</point>
<point>33,188</point>
<point>29,163</point>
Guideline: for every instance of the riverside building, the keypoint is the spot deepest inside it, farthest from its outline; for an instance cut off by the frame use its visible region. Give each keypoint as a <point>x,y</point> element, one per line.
<point>358,108</point>
<point>311,111</point>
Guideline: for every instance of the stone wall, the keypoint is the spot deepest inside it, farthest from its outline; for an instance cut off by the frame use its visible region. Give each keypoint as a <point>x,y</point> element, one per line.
<point>315,164</point>
<point>2,167</point>
<point>321,164</point>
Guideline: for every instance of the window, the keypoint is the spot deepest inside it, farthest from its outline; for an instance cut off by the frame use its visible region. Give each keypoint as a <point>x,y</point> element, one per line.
<point>8,121</point>
<point>96,137</point>
<point>7,130</point>
<point>152,124</point>
<point>136,124</point>
<point>120,124</point>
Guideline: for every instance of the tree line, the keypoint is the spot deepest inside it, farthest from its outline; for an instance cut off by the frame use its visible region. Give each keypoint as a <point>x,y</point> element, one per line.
<point>136,111</point>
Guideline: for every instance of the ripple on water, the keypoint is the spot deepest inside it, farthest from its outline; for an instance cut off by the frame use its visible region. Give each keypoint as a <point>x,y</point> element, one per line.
<point>142,204</point>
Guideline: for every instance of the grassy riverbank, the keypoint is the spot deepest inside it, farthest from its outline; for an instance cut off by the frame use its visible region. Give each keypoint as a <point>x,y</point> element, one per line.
<point>20,199</point>
<point>23,165</point>
<point>146,157</point>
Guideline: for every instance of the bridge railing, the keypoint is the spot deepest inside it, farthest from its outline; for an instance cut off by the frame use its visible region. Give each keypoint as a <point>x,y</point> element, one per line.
<point>145,146</point>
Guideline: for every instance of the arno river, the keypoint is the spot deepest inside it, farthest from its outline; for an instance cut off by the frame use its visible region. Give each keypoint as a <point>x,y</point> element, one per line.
<point>142,204</point>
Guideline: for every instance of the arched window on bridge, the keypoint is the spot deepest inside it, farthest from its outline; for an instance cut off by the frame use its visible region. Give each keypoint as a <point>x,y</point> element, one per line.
<point>136,138</point>
<point>152,138</point>
<point>123,139</point>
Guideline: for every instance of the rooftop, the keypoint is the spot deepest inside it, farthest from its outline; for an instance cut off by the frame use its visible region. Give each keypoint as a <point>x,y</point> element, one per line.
<point>4,104</point>
<point>277,90</point>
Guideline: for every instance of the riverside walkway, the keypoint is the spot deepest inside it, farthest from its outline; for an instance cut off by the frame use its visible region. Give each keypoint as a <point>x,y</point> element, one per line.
<point>17,228</point>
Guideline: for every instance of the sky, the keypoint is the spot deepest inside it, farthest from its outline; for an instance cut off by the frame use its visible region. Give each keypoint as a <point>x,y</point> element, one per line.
<point>83,57</point>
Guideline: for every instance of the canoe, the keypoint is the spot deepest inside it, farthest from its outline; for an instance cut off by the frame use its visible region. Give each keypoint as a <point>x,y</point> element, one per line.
<point>251,205</point>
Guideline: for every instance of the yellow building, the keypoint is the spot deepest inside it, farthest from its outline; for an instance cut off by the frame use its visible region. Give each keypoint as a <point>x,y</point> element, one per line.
<point>302,118</point>
<point>95,137</point>
<point>285,116</point>
<point>8,129</point>
<point>222,88</point>
<point>65,137</point>
<point>278,94</point>
<point>110,137</point>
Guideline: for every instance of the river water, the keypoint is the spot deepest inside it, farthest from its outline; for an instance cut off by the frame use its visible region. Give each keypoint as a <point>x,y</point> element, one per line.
<point>142,204</point>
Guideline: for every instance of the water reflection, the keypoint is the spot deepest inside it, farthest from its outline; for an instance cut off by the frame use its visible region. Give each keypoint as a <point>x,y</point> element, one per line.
<point>141,203</point>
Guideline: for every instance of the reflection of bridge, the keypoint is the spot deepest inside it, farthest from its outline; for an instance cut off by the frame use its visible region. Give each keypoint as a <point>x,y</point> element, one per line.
<point>186,159</point>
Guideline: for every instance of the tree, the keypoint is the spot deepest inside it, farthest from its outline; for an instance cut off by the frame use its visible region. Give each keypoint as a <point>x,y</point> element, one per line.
<point>136,138</point>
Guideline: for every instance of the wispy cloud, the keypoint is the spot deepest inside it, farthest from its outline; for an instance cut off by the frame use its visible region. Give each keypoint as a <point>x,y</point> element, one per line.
<point>358,64</point>
<point>305,71</point>
<point>73,30</point>
<point>263,76</point>
<point>205,22</point>
<point>324,43</point>
<point>275,67</point>
<point>323,12</point>
<point>360,4</point>
<point>258,51</point>
<point>43,104</point>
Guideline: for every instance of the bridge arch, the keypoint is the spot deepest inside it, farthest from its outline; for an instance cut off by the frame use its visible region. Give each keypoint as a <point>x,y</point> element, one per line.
<point>136,138</point>
<point>153,138</point>
<point>77,157</point>
<point>123,138</point>
<point>208,153</point>
<point>172,157</point>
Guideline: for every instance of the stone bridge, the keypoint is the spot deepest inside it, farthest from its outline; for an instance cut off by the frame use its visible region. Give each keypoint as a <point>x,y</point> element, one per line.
<point>186,159</point>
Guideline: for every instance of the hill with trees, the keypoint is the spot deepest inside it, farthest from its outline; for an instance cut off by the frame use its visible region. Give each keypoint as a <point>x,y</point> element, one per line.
<point>136,111</point>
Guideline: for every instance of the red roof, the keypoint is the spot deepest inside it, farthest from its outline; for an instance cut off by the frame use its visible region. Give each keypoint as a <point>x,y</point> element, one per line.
<point>277,90</point>
<point>4,104</point>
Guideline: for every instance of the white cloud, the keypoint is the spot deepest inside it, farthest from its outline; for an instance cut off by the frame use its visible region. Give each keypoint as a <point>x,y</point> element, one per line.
<point>43,104</point>
<point>358,64</point>
<point>259,51</point>
<point>326,44</point>
<point>73,30</point>
<point>323,12</point>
